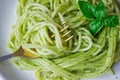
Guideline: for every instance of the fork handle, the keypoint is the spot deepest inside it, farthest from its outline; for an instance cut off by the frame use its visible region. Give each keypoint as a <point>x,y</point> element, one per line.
<point>6,57</point>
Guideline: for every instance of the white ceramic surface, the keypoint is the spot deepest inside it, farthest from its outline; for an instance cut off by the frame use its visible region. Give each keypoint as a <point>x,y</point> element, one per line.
<point>7,70</point>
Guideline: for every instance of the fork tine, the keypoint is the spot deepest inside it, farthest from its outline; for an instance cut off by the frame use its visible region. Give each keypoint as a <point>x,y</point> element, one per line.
<point>64,29</point>
<point>53,36</point>
<point>60,31</point>
<point>66,33</point>
<point>63,23</point>
<point>69,38</point>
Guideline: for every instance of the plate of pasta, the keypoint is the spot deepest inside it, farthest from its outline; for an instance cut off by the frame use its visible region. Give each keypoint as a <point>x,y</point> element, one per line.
<point>73,39</point>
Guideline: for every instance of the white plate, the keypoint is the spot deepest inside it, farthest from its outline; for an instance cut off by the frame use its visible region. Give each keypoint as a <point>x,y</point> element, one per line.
<point>7,70</point>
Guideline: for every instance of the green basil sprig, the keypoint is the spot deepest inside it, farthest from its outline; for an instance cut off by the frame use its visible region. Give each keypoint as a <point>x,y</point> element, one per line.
<point>111,21</point>
<point>95,26</point>
<point>98,14</point>
<point>87,9</point>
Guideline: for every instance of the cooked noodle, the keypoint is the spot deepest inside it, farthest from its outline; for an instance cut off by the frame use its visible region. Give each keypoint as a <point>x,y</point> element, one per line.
<point>82,56</point>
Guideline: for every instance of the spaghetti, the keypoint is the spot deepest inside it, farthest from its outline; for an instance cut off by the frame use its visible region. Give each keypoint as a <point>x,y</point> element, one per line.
<point>81,56</point>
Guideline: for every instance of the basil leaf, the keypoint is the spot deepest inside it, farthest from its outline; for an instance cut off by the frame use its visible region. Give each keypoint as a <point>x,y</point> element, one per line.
<point>100,10</point>
<point>87,9</point>
<point>95,26</point>
<point>111,21</point>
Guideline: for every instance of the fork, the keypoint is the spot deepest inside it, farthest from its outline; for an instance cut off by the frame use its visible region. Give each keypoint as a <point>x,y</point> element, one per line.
<point>21,52</point>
